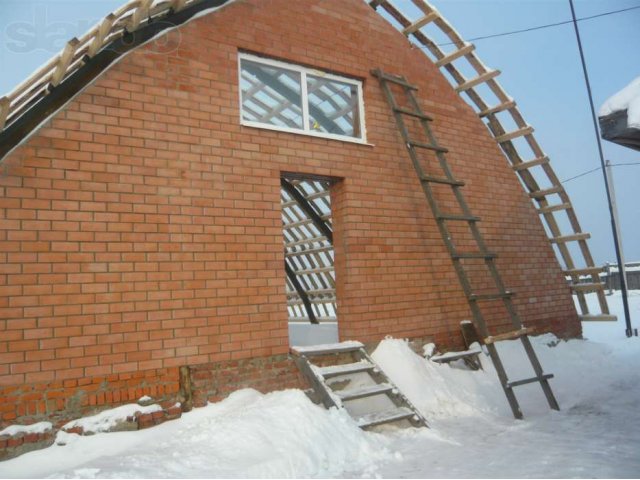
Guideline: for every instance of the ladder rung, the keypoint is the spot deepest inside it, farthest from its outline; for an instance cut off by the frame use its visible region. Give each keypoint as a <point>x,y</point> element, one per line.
<point>413,113</point>
<point>417,25</point>
<point>570,238</point>
<point>554,208</point>
<point>363,392</point>
<point>346,369</point>
<point>531,163</point>
<point>457,54</point>
<point>498,108</point>
<point>507,336</point>
<point>597,318</point>
<point>486,76</point>
<point>486,255</point>
<point>463,218</point>
<point>393,79</point>
<point>326,349</point>
<point>428,146</point>
<point>517,383</point>
<point>515,134</point>
<point>584,271</point>
<point>387,416</point>
<point>587,287</point>
<point>548,191</point>
<point>446,181</point>
<point>491,296</point>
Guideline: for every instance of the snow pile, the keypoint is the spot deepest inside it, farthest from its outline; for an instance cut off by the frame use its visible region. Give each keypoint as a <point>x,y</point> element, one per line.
<point>39,427</point>
<point>626,99</point>
<point>281,434</point>
<point>473,434</point>
<point>108,419</point>
<point>436,390</point>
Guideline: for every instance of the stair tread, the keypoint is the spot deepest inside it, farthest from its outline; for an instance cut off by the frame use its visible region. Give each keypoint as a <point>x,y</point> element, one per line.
<point>452,356</point>
<point>345,369</point>
<point>368,391</point>
<point>326,348</point>
<point>386,416</point>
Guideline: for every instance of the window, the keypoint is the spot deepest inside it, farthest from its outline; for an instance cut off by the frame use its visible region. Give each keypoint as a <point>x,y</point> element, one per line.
<point>291,98</point>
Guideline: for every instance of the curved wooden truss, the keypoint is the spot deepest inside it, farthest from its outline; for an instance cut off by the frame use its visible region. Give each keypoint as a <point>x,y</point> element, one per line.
<point>415,19</point>
<point>421,23</point>
<point>308,246</point>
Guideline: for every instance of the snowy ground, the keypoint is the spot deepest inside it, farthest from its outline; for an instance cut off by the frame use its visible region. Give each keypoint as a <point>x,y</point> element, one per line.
<point>282,434</point>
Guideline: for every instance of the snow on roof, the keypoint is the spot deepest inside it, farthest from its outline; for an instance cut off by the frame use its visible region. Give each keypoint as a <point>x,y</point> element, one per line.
<point>626,99</point>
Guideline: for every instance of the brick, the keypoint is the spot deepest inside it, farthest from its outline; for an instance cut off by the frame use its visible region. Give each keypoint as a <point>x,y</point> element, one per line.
<point>142,224</point>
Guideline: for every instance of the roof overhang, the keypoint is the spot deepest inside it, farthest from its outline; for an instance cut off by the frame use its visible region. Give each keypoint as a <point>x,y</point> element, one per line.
<point>615,128</point>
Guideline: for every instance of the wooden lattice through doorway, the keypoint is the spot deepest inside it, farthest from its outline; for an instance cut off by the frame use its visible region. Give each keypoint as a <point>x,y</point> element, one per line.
<point>309,259</point>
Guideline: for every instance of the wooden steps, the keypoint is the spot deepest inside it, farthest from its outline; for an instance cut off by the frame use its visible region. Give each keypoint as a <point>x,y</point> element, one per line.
<point>332,384</point>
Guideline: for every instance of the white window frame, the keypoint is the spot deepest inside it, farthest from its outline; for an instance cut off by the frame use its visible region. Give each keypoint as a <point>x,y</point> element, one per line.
<point>303,71</point>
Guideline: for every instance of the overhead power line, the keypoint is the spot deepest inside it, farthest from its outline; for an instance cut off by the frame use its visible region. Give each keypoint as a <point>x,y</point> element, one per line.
<point>548,25</point>
<point>596,169</point>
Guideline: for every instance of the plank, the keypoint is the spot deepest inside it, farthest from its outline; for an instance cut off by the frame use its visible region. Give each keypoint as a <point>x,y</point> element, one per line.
<point>417,25</point>
<point>327,348</point>
<point>485,77</point>
<point>386,416</point>
<point>468,48</point>
<point>369,391</point>
<point>507,336</point>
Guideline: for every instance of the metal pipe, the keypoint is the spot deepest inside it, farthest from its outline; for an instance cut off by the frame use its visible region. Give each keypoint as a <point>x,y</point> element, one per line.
<point>614,226</point>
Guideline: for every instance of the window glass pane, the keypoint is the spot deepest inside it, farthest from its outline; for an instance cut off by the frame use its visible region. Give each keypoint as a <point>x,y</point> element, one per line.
<point>333,107</point>
<point>271,95</point>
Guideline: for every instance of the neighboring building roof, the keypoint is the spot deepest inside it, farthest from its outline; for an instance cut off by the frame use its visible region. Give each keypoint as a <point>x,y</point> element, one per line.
<point>619,116</point>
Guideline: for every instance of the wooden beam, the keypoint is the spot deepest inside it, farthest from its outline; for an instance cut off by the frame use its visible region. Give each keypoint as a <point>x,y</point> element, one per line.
<point>485,77</point>
<point>515,134</point>
<point>507,336</point>
<point>570,238</point>
<point>498,108</point>
<point>63,63</point>
<point>101,35</point>
<point>5,104</point>
<point>306,207</point>
<point>531,163</point>
<point>455,55</point>
<point>291,275</point>
<point>139,14</point>
<point>417,25</point>
<point>546,192</point>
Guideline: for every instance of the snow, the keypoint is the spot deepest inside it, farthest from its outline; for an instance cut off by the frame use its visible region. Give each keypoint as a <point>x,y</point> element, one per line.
<point>473,434</point>
<point>626,99</point>
<point>106,420</point>
<point>39,427</point>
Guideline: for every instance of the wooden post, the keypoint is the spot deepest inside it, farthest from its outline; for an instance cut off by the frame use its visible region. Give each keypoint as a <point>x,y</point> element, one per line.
<point>5,104</point>
<point>141,11</point>
<point>65,60</point>
<point>101,34</point>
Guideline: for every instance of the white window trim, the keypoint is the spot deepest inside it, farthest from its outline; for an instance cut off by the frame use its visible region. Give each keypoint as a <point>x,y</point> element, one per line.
<point>303,92</point>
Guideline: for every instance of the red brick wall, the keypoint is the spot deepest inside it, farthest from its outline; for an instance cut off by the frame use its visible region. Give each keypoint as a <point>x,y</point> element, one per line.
<point>140,227</point>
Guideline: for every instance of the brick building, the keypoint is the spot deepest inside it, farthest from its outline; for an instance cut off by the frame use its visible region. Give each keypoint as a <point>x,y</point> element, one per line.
<point>141,224</point>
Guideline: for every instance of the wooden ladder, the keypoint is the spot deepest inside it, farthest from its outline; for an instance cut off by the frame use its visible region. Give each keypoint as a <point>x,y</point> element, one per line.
<point>330,382</point>
<point>443,218</point>
<point>519,145</point>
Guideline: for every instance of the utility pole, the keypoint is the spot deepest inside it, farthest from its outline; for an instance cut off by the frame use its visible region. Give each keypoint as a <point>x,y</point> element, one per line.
<point>614,224</point>
<point>622,269</point>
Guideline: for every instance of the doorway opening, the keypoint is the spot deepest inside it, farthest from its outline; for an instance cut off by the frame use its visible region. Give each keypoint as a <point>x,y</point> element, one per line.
<point>307,228</point>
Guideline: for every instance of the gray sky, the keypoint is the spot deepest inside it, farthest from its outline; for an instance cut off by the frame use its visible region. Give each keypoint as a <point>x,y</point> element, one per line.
<point>540,70</point>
